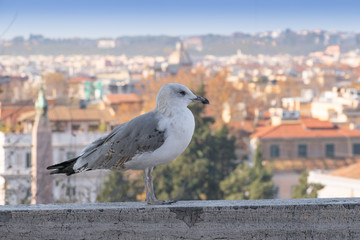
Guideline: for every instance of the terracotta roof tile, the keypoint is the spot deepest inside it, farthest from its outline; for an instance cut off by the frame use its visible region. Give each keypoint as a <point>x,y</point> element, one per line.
<point>64,113</point>
<point>80,80</point>
<point>316,123</point>
<point>351,171</point>
<point>122,98</point>
<point>298,130</point>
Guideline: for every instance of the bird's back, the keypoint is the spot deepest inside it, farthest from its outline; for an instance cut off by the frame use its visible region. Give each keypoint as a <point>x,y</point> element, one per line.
<point>139,135</point>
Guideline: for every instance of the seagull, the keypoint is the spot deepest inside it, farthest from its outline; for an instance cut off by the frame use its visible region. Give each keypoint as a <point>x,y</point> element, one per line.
<point>149,140</point>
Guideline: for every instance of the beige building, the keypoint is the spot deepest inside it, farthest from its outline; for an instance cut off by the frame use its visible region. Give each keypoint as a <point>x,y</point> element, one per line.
<point>340,106</point>
<point>308,144</point>
<point>72,119</point>
<point>16,166</point>
<point>307,138</point>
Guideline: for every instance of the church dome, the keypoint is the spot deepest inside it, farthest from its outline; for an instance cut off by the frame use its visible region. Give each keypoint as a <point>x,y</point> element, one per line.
<point>180,56</point>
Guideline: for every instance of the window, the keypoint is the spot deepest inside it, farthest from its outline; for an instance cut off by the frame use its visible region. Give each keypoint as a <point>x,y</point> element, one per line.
<point>28,160</point>
<point>71,191</point>
<point>356,149</point>
<point>330,150</point>
<point>274,151</point>
<point>75,127</point>
<point>302,150</point>
<point>93,128</point>
<point>58,126</point>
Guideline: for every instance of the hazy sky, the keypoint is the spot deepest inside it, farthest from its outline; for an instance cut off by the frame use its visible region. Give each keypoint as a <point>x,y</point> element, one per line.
<point>112,18</point>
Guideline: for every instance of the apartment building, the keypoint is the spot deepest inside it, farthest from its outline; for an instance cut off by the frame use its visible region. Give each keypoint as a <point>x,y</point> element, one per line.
<point>307,138</point>
<point>307,144</point>
<point>15,169</point>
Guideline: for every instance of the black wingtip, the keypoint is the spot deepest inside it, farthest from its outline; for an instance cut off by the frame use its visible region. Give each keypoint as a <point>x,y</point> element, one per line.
<point>66,167</point>
<point>54,172</point>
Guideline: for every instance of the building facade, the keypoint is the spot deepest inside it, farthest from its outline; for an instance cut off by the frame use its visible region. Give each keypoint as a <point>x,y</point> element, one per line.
<point>307,144</point>
<point>307,138</point>
<point>340,183</point>
<point>15,169</point>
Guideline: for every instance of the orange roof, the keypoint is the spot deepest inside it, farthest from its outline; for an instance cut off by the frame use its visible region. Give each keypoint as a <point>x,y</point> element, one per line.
<point>316,123</point>
<point>262,130</point>
<point>122,98</point>
<point>300,130</point>
<point>80,80</point>
<point>266,115</point>
<point>352,171</point>
<point>300,164</point>
<point>64,113</point>
<point>11,111</point>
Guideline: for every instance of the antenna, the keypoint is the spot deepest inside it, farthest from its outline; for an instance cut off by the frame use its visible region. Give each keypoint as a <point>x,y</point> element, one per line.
<point>9,26</point>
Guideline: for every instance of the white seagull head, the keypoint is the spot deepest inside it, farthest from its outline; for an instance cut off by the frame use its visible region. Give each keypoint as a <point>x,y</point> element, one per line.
<point>176,95</point>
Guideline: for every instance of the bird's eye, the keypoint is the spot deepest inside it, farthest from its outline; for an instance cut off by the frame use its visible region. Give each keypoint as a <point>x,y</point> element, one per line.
<point>182,93</point>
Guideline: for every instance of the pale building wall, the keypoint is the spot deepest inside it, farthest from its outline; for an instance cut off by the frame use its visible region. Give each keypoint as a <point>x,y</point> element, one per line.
<point>17,189</point>
<point>2,190</point>
<point>315,147</point>
<point>15,176</point>
<point>285,182</point>
<point>334,186</point>
<point>321,110</point>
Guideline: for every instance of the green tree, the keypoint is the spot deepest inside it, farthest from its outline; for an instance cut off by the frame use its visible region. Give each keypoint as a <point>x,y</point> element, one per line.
<point>247,182</point>
<point>122,187</point>
<point>197,172</point>
<point>305,189</point>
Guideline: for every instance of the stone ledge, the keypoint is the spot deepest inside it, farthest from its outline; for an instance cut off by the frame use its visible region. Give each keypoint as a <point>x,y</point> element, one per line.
<point>261,219</point>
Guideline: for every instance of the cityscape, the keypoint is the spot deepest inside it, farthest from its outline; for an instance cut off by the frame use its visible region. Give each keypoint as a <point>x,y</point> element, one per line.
<point>282,78</point>
<point>298,107</point>
<point>204,119</point>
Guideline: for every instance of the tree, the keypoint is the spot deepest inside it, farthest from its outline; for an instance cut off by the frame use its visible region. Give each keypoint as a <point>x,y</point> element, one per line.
<point>224,96</point>
<point>122,187</point>
<point>305,189</point>
<point>197,172</point>
<point>56,85</point>
<point>247,182</point>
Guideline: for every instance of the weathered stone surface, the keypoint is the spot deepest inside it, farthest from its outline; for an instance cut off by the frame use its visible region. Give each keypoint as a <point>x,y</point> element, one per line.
<point>263,219</point>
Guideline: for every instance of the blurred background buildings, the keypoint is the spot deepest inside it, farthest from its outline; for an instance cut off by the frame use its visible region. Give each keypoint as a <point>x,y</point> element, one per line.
<point>294,94</point>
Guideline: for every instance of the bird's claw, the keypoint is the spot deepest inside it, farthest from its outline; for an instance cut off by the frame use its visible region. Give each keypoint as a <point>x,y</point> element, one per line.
<point>161,202</point>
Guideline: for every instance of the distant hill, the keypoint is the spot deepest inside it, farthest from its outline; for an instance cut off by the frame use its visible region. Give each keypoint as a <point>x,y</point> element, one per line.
<point>284,42</point>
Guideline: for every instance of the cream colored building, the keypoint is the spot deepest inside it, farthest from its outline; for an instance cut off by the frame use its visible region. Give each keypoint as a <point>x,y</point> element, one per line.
<point>179,59</point>
<point>340,183</point>
<point>339,106</point>
<point>15,169</point>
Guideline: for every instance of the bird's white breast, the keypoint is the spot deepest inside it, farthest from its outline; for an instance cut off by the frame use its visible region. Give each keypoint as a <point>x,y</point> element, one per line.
<point>179,128</point>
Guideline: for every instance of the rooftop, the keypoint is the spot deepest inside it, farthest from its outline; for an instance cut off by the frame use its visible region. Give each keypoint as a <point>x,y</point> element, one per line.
<point>80,79</point>
<point>306,128</point>
<point>352,171</point>
<point>65,113</point>
<point>122,98</point>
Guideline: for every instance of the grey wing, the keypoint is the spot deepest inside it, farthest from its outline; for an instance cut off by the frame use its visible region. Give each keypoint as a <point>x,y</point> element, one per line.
<point>112,151</point>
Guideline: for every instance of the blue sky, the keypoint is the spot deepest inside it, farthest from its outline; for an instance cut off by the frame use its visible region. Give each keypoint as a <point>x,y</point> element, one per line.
<point>112,18</point>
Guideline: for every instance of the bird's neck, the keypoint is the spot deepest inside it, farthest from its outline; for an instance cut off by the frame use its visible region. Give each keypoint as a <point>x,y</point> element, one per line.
<point>170,109</point>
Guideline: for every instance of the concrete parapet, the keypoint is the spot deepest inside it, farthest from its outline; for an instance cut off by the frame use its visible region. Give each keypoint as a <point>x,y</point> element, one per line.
<point>261,219</point>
